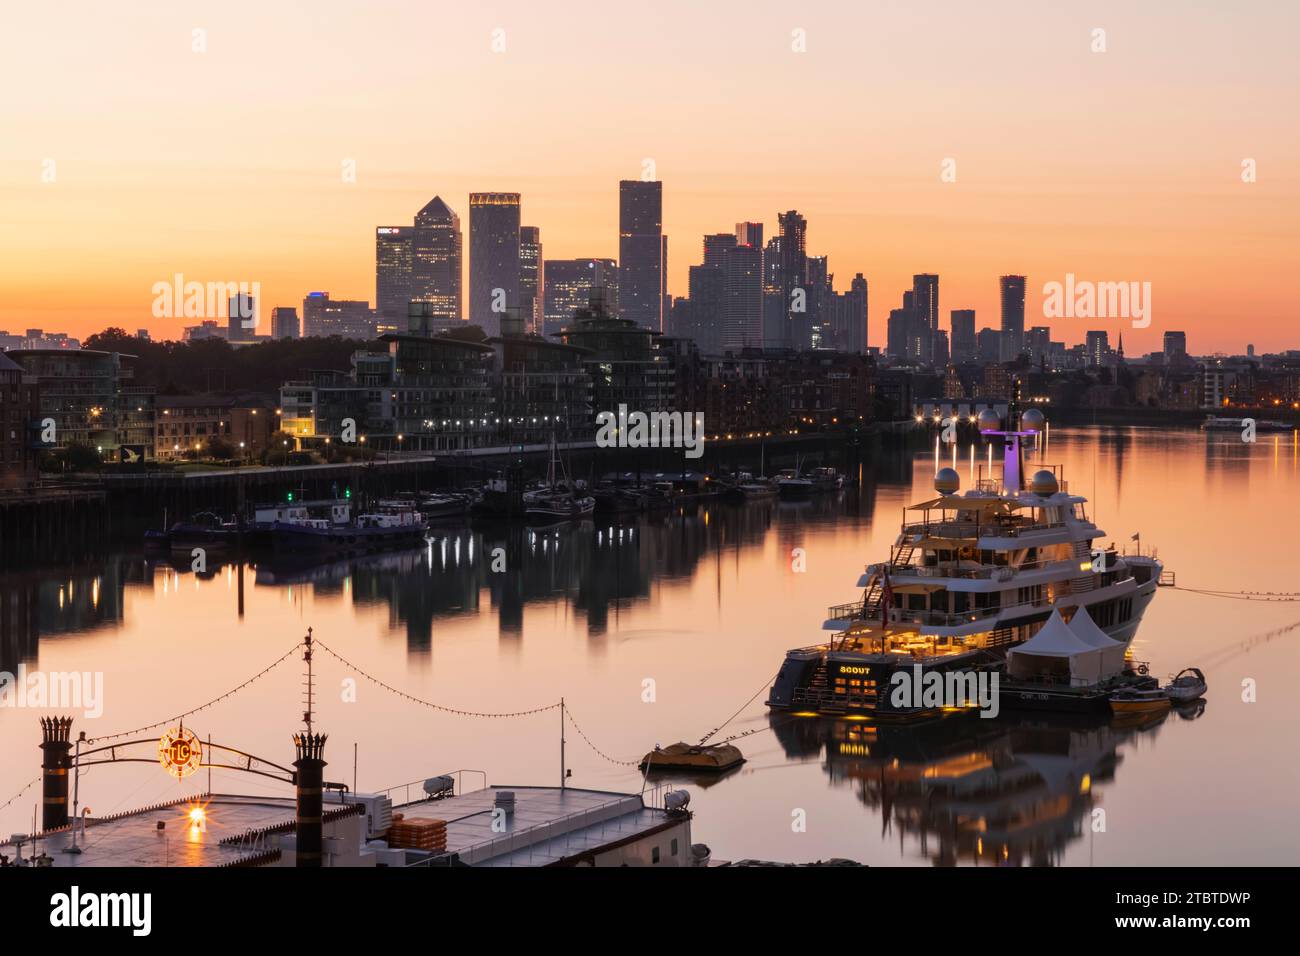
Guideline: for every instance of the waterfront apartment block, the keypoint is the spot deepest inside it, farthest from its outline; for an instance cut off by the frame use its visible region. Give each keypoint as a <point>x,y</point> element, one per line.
<point>623,359</point>
<point>542,388</point>
<point>90,397</point>
<point>346,318</point>
<point>423,394</point>
<point>243,424</point>
<point>19,419</point>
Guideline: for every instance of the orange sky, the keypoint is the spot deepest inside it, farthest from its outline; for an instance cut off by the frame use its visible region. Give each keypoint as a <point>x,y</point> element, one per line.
<point>225,165</point>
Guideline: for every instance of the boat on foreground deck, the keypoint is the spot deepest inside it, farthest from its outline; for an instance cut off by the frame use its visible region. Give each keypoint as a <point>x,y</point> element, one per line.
<point>969,576</point>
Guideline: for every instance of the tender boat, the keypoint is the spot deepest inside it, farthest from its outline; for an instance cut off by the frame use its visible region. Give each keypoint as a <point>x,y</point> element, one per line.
<point>1134,701</point>
<point>1188,685</point>
<point>684,756</point>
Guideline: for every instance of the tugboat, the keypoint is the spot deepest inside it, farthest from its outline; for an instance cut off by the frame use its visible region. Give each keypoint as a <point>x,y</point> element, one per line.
<point>969,576</point>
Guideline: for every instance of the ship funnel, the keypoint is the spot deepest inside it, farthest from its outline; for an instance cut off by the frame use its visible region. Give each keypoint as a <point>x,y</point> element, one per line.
<point>56,741</point>
<point>310,780</point>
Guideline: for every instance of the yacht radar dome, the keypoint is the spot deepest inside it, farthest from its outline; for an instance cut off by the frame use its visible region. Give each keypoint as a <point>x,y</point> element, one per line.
<point>1044,483</point>
<point>989,420</point>
<point>1032,420</point>
<point>947,481</point>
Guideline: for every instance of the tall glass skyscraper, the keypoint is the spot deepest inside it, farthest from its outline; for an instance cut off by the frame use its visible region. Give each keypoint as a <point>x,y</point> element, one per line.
<point>530,277</point>
<point>493,258</point>
<point>567,285</point>
<point>436,261</point>
<point>394,251</point>
<point>640,252</point>
<point>1013,317</point>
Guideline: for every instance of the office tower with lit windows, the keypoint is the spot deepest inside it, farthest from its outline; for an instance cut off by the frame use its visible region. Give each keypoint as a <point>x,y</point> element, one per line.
<point>925,293</point>
<point>436,256</point>
<point>1096,349</point>
<point>742,311</point>
<point>855,339</point>
<point>1013,316</point>
<point>493,258</point>
<point>394,258</point>
<point>567,286</point>
<point>641,283</point>
<point>346,318</point>
<point>531,277</point>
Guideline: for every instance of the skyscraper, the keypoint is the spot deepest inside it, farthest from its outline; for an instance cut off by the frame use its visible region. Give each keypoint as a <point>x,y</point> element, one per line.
<point>394,252</point>
<point>856,339</point>
<point>435,262</point>
<point>567,286</point>
<point>750,234</point>
<point>716,246</point>
<point>284,323</point>
<point>242,318</point>
<point>793,274</point>
<point>1013,317</point>
<point>925,293</point>
<point>493,258</point>
<point>707,306</point>
<point>1097,348</point>
<point>963,335</point>
<point>530,277</point>
<point>742,312</point>
<point>641,252</point>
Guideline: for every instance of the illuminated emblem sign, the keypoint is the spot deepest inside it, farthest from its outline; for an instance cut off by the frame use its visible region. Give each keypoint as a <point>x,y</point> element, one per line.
<point>180,752</point>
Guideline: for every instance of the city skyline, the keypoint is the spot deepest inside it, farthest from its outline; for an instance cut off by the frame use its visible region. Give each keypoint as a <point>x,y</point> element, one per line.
<point>1036,193</point>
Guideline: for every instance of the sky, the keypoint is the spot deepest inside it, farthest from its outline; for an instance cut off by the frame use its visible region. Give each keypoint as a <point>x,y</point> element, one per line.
<point>128,156</point>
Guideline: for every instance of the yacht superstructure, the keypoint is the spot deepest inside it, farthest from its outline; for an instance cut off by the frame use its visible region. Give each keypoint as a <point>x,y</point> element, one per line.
<point>970,575</point>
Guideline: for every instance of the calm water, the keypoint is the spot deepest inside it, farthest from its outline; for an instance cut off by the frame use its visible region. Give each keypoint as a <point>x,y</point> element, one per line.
<point>704,605</point>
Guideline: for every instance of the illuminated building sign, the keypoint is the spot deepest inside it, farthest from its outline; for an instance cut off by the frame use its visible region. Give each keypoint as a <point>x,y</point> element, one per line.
<point>180,752</point>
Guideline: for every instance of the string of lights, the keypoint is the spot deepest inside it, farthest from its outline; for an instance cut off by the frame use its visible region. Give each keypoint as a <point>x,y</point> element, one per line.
<point>600,753</point>
<point>427,703</point>
<point>29,785</point>
<point>1275,596</point>
<point>216,700</point>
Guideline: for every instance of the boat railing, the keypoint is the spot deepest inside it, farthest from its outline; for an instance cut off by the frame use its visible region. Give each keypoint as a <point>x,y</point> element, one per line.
<point>976,529</point>
<point>1004,572</point>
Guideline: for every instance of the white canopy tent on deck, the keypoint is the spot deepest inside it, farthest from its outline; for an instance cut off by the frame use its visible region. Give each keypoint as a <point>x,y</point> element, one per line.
<point>1086,630</point>
<point>1056,653</point>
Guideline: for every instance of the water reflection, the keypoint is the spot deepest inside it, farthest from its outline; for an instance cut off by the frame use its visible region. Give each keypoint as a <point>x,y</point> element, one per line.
<point>1012,791</point>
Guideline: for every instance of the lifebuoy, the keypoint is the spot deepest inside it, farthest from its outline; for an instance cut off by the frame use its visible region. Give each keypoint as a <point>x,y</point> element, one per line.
<point>1143,670</point>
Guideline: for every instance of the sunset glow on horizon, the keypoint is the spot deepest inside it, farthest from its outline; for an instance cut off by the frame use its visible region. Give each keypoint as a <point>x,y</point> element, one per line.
<point>224,165</point>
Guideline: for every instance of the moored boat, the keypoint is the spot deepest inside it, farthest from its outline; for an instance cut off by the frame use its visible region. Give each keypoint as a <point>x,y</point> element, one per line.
<point>1187,685</point>
<point>1134,701</point>
<point>684,756</point>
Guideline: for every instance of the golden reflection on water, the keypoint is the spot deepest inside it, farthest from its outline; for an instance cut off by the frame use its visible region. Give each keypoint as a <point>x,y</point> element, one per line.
<point>700,607</point>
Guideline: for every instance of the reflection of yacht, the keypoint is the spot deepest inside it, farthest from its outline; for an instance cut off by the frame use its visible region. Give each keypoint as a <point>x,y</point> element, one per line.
<point>1007,792</point>
<point>969,576</point>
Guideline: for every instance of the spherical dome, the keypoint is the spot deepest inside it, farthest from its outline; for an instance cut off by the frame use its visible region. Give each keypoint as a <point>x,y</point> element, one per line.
<point>1044,483</point>
<point>947,481</point>
<point>989,420</point>
<point>1032,420</point>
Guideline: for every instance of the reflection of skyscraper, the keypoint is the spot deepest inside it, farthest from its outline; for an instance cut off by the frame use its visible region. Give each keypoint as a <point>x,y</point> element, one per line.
<point>640,252</point>
<point>436,262</point>
<point>394,250</point>
<point>1013,317</point>
<point>567,285</point>
<point>493,258</point>
<point>530,277</point>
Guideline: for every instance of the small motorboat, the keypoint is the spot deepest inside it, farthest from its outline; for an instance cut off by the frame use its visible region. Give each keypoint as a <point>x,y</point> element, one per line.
<point>1187,685</point>
<point>684,756</point>
<point>1134,701</point>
